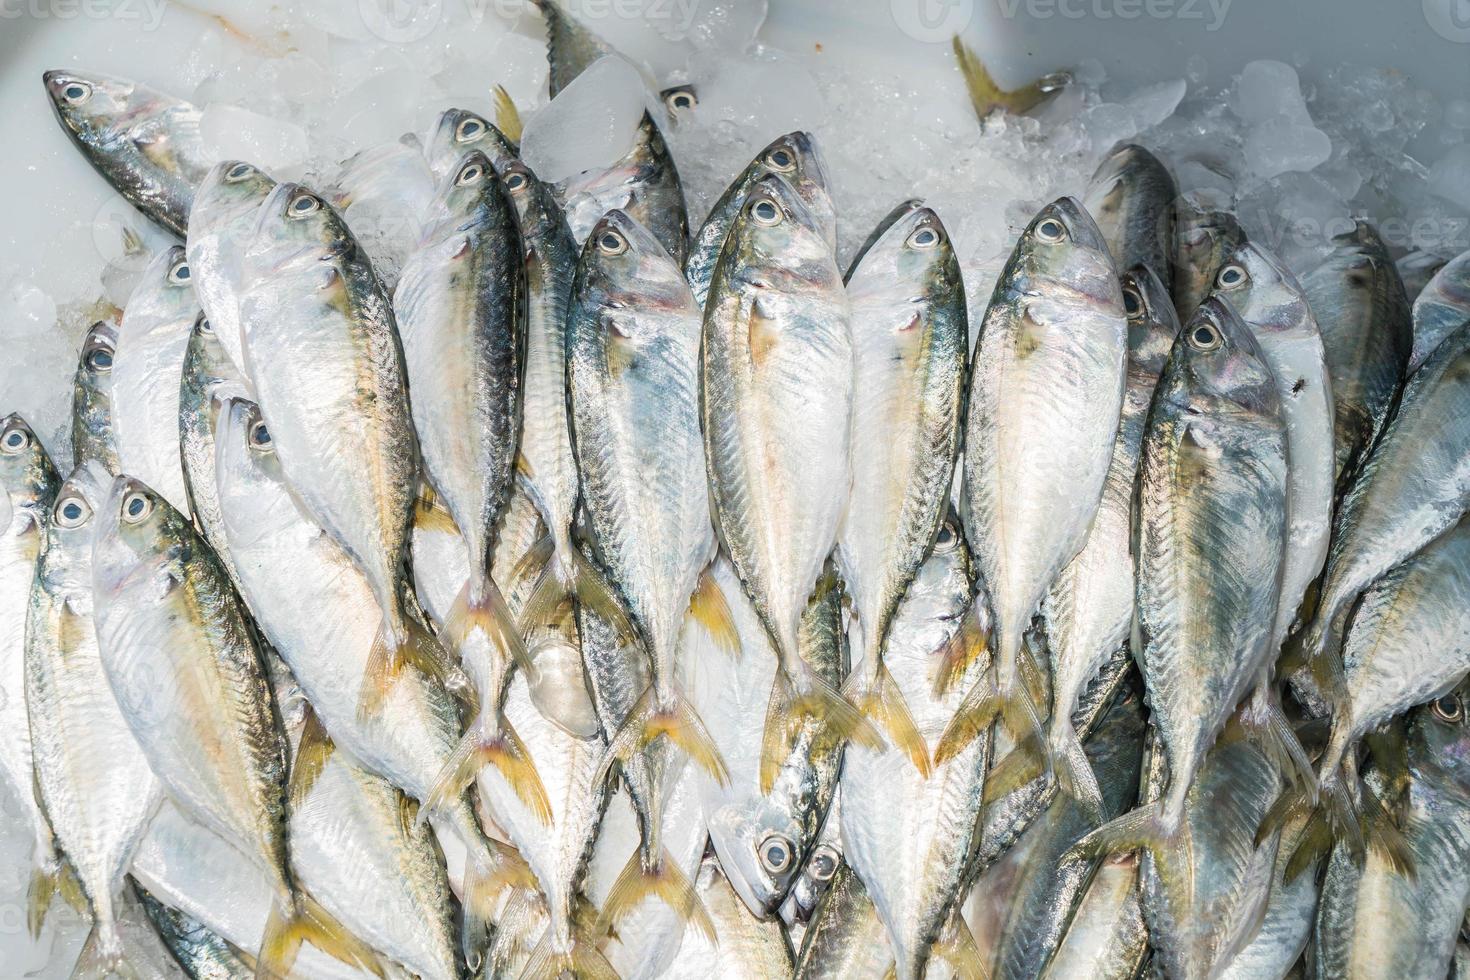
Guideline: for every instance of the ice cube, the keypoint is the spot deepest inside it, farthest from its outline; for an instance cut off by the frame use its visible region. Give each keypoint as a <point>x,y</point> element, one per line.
<point>728,26</point>
<point>1268,90</point>
<point>229,132</point>
<point>1153,104</point>
<point>1449,178</point>
<point>1281,145</point>
<point>589,124</point>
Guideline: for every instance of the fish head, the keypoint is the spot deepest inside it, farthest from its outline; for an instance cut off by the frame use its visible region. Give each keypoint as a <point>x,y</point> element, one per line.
<point>908,251</point>
<point>468,189</point>
<point>206,365</point>
<point>255,501</point>
<point>680,100</point>
<point>459,131</point>
<point>1222,366</point>
<point>623,266</point>
<point>67,569</point>
<point>1152,322</point>
<point>165,292</point>
<point>759,843</point>
<point>1439,737</point>
<point>775,236</point>
<point>815,878</point>
<point>26,475</point>
<point>1263,292</point>
<point>296,227</point>
<point>795,158</point>
<point>231,189</point>
<point>138,536</point>
<point>1063,243</point>
<point>96,107</point>
<point>94,366</point>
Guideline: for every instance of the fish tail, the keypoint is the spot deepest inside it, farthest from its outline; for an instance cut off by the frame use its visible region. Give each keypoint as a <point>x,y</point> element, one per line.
<point>567,574</point>
<point>490,744</point>
<point>581,959</point>
<point>481,606</point>
<point>307,922</point>
<point>507,116</point>
<point>883,702</point>
<point>1382,834</point>
<point>711,610</point>
<point>497,869</point>
<point>974,715</point>
<point>392,651</point>
<point>961,650</point>
<point>1331,814</point>
<point>1268,727</point>
<point>1073,769</point>
<point>840,721</point>
<point>56,877</point>
<point>1148,828</point>
<point>677,720</point>
<point>104,955</point>
<point>1023,763</point>
<point>662,879</point>
<point>957,947</point>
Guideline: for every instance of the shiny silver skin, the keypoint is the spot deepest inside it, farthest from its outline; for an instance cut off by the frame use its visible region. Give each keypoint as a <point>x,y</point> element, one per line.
<point>793,157</point>
<point>457,132</point>
<point>91,776</point>
<point>322,352</point>
<point>209,377</point>
<point>907,837</point>
<point>846,939</point>
<point>1413,486</point>
<point>144,143</point>
<point>1367,334</point>
<point>570,47</point>
<point>460,306</point>
<point>1088,611</point>
<point>1106,937</point>
<point>1441,308</point>
<point>1286,925</point>
<point>1204,237</point>
<point>910,337</point>
<point>745,948</point>
<point>816,874</point>
<point>200,953</point>
<point>1375,920</point>
<point>92,434</point>
<point>1212,531</point>
<point>149,361</point>
<point>1046,392</point>
<point>643,183</point>
<point>220,228</point>
<point>730,693</point>
<point>28,485</point>
<point>1131,197</point>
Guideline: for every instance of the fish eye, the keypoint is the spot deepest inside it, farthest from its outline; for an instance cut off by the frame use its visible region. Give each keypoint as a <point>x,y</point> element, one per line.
<point>76,92</point>
<point>1231,276</point>
<point>136,507</point>
<point>260,436</point>
<point>1448,709</point>
<point>515,181</point>
<point>925,237</point>
<point>469,128</point>
<point>781,159</point>
<point>15,441</point>
<point>100,359</point>
<point>302,204</point>
<point>824,864</point>
<point>205,327</point>
<point>611,242</point>
<point>239,172</point>
<point>470,174</point>
<point>765,212</point>
<point>1204,337</point>
<point>1051,231</point>
<point>72,511</point>
<point>681,100</point>
<point>1132,303</point>
<point>179,274</point>
<point>776,854</point>
<point>948,537</point>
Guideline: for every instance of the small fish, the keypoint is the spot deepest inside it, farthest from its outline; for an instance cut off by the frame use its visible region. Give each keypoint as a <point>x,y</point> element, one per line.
<point>151,343</point>
<point>457,132</point>
<point>1046,392</point>
<point>1367,335</point>
<point>910,344</point>
<point>570,47</point>
<point>794,157</point>
<point>220,227</point>
<point>93,436</point>
<point>200,953</point>
<point>1441,308</point>
<point>1204,238</point>
<point>816,874</point>
<point>1131,197</point>
<point>846,939</point>
<point>144,143</point>
<point>1106,937</point>
<point>209,377</point>
<point>91,777</point>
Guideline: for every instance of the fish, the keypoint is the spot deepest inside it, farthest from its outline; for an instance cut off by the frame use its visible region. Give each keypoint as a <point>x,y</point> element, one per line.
<point>461,312</point>
<point>797,160</point>
<point>1106,937</point>
<point>986,95</point>
<point>1441,308</point>
<point>93,434</point>
<point>1416,267</point>
<point>1088,612</point>
<point>846,939</point>
<point>745,948</point>
<point>570,47</point>
<point>1211,505</point>
<point>144,143</point>
<point>643,183</point>
<point>1286,924</point>
<point>1412,487</point>
<point>766,840</point>
<point>151,342</point>
<point>323,353</point>
<point>208,378</point>
<point>1048,371</point>
<point>1375,919</point>
<point>200,953</point>
<point>91,777</point>
<point>816,874</point>
<point>910,836</point>
<point>315,607</point>
<point>457,132</point>
<point>1205,235</point>
<point>29,483</point>
<point>1131,196</point>
<point>776,390</point>
<point>910,345</point>
<point>1367,335</point>
<point>221,223</point>
<point>166,612</point>
<point>633,340</point>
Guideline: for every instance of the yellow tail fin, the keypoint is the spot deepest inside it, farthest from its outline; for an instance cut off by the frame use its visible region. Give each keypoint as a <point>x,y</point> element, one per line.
<point>501,748</point>
<point>507,116</point>
<point>388,657</point>
<point>678,722</point>
<point>982,706</point>
<point>1021,765</point>
<point>490,616</point>
<point>47,883</point>
<point>884,703</point>
<point>666,882</point>
<point>309,923</point>
<point>582,960</point>
<point>961,650</point>
<point>312,752</point>
<point>838,719</point>
<point>712,611</point>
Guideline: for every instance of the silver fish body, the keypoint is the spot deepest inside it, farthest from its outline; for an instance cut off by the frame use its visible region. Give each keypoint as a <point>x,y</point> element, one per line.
<point>846,939</point>
<point>1204,238</point>
<point>745,948</point>
<point>220,227</point>
<point>1106,937</point>
<point>209,377</point>
<point>1441,308</point>
<point>1131,197</point>
<point>200,953</point>
<point>93,435</point>
<point>146,144</point>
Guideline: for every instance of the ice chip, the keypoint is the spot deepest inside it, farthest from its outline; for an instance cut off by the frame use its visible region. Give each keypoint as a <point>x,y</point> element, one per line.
<point>1449,178</point>
<point>1280,145</point>
<point>1268,90</point>
<point>589,124</point>
<point>1153,104</point>
<point>232,133</point>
